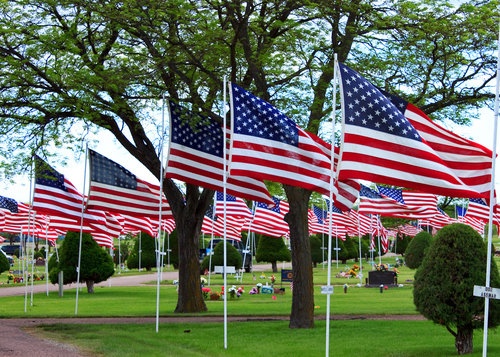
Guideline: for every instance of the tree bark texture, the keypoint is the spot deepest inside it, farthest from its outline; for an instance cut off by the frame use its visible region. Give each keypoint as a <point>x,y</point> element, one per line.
<point>190,298</point>
<point>90,286</point>
<point>464,340</point>
<point>302,314</point>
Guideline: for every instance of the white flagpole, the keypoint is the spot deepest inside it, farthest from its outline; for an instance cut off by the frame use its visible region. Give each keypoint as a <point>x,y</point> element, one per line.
<point>81,231</point>
<point>492,205</point>
<point>224,183</point>
<point>160,209</point>
<point>330,212</point>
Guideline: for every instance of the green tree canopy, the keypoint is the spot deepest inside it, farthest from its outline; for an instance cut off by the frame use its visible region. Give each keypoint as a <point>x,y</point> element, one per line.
<point>416,249</point>
<point>4,263</point>
<point>96,264</point>
<point>444,283</point>
<point>233,257</point>
<point>147,257</point>
<point>272,250</point>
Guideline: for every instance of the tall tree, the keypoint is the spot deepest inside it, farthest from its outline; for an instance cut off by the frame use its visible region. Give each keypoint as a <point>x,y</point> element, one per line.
<point>106,64</point>
<point>445,280</point>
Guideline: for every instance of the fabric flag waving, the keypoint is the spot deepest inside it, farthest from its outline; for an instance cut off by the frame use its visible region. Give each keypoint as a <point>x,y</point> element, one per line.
<point>196,156</point>
<point>470,161</point>
<point>8,204</point>
<point>381,145</point>
<point>115,189</point>
<point>269,146</point>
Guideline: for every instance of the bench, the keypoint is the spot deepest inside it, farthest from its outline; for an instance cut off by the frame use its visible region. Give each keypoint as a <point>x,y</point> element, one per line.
<point>219,269</point>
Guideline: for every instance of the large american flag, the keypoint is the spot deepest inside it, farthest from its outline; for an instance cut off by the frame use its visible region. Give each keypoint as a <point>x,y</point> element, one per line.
<point>470,161</point>
<point>196,156</point>
<point>269,146</point>
<point>115,189</point>
<point>381,145</point>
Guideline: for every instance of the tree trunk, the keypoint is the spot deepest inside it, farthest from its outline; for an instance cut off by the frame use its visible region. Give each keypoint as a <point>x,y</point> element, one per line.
<point>302,314</point>
<point>463,340</point>
<point>188,223</point>
<point>274,267</point>
<point>90,286</point>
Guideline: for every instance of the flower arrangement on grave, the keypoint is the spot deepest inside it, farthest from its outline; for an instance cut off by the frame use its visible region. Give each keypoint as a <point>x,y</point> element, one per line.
<point>382,267</point>
<point>203,281</point>
<point>273,279</point>
<point>206,292</point>
<point>232,291</point>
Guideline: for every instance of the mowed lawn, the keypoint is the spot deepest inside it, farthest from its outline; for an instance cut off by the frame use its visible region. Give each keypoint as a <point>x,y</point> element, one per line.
<point>354,335</point>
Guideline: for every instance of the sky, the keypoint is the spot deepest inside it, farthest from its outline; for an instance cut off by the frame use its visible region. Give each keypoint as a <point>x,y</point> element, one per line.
<point>481,131</point>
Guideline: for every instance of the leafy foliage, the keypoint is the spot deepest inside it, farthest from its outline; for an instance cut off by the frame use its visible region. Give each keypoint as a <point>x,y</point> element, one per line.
<point>415,252</point>
<point>233,257</point>
<point>443,285</point>
<point>96,264</point>
<point>272,250</point>
<point>148,253</point>
<point>4,263</point>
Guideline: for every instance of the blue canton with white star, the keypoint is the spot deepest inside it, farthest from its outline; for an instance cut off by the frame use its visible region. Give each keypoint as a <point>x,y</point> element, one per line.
<point>393,193</point>
<point>366,106</point>
<point>8,203</point>
<point>205,135</point>
<point>47,176</point>
<point>254,116</point>
<point>108,172</point>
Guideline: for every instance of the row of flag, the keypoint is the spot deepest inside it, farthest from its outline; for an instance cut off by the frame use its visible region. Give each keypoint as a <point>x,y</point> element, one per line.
<point>384,140</point>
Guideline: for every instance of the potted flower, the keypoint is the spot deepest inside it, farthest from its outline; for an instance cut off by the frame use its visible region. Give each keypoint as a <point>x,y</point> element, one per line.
<point>259,285</point>
<point>232,291</point>
<point>205,292</point>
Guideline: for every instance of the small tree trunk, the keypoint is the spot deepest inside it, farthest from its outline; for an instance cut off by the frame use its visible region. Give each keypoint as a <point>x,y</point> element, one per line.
<point>90,286</point>
<point>463,340</point>
<point>274,267</point>
<point>302,314</point>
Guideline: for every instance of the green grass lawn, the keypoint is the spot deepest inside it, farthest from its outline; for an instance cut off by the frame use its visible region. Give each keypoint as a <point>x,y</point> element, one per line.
<point>354,337</point>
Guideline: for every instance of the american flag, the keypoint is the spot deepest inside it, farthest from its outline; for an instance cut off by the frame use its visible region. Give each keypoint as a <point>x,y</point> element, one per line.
<point>8,204</point>
<point>235,206</point>
<point>115,189</point>
<point>196,156</point>
<point>215,225</point>
<point>419,204</point>
<point>381,145</point>
<point>345,193</point>
<point>470,161</point>
<point>269,146</point>
<point>270,221</point>
<point>56,196</point>
<point>370,201</point>
<point>478,208</point>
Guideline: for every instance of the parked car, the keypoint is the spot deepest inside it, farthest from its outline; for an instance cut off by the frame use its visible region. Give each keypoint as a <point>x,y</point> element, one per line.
<point>13,249</point>
<point>9,257</point>
<point>245,253</point>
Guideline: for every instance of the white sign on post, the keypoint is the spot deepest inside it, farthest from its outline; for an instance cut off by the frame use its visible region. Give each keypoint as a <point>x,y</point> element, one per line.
<point>327,290</point>
<point>486,292</point>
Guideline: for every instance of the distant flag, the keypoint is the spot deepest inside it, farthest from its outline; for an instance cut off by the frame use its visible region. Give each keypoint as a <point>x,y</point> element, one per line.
<point>418,204</point>
<point>235,206</point>
<point>269,146</point>
<point>470,161</point>
<point>381,145</point>
<point>372,202</point>
<point>115,189</point>
<point>270,221</point>
<point>479,209</point>
<point>8,204</point>
<point>196,156</point>
<point>215,225</point>
<point>460,211</point>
